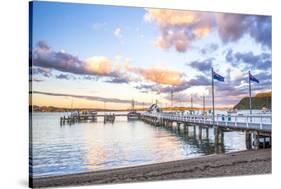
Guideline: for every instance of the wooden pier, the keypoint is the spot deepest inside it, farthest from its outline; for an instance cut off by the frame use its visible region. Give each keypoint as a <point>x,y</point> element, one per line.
<point>257,128</point>
<point>109,118</point>
<point>78,117</point>
<point>91,116</point>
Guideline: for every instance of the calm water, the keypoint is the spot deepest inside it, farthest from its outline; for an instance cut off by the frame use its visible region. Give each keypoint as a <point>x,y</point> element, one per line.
<point>95,146</point>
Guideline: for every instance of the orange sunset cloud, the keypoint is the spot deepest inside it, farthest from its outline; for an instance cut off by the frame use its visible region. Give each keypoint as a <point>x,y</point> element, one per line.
<point>161,76</point>
<point>179,28</point>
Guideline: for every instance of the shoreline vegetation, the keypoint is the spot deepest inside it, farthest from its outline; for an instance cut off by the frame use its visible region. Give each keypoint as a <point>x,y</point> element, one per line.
<point>261,100</point>
<point>251,162</point>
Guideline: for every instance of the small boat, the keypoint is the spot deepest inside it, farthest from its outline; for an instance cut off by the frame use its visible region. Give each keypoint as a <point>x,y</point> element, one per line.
<point>265,110</point>
<point>231,111</point>
<point>133,115</point>
<point>92,113</point>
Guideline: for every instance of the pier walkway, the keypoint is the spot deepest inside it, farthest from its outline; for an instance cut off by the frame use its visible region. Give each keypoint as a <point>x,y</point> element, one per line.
<point>257,127</point>
<point>237,122</point>
<point>92,116</point>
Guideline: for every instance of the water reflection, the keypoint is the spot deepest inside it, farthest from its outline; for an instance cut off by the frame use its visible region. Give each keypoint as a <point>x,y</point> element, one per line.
<point>92,146</point>
<point>195,139</point>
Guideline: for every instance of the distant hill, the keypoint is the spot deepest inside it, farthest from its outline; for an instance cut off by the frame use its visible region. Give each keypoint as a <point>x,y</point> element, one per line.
<point>258,102</point>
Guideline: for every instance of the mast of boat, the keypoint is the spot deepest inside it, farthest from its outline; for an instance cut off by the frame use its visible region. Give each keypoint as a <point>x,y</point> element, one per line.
<point>71,106</point>
<point>172,97</point>
<point>133,105</point>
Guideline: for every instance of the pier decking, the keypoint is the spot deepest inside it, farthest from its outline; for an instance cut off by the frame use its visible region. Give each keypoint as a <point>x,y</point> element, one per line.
<point>242,122</point>
<point>257,128</point>
<point>80,117</point>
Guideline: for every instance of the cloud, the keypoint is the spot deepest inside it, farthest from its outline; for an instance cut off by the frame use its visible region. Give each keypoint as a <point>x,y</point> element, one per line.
<point>43,56</point>
<point>64,76</point>
<point>117,33</point>
<point>40,71</point>
<point>87,77</point>
<point>45,59</point>
<point>232,27</point>
<point>35,80</point>
<point>198,81</point>
<point>185,98</point>
<point>179,29</point>
<point>202,66</point>
<point>205,66</point>
<point>159,75</point>
<point>119,80</point>
<point>264,77</point>
<point>43,46</point>
<point>98,65</point>
<point>234,90</point>
<point>168,17</point>
<point>210,48</point>
<point>248,60</point>
<point>238,88</point>
<point>262,30</point>
<point>168,39</point>
<point>91,98</point>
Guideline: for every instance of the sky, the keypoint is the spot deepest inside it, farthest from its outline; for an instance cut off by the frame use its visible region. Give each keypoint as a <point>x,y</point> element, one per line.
<point>95,56</point>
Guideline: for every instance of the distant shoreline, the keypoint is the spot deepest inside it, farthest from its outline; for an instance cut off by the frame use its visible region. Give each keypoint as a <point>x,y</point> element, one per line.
<point>249,162</point>
<point>59,109</point>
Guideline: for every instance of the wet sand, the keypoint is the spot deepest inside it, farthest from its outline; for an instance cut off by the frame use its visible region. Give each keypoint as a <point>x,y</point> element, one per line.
<point>251,162</point>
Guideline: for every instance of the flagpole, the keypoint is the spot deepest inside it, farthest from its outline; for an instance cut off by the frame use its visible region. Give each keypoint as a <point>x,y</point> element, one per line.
<point>250,95</point>
<point>191,102</point>
<point>204,105</point>
<point>213,101</point>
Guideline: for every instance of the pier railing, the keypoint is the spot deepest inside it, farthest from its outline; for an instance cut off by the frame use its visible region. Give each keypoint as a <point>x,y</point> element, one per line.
<point>257,122</point>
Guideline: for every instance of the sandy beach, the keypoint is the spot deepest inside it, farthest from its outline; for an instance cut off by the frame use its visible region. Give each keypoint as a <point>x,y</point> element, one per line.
<point>232,164</point>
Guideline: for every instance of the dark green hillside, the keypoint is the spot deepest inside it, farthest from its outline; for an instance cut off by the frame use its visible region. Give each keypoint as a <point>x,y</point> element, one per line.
<point>258,102</point>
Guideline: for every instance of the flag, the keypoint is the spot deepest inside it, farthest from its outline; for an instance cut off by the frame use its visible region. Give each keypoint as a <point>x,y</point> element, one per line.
<point>218,77</point>
<point>252,78</point>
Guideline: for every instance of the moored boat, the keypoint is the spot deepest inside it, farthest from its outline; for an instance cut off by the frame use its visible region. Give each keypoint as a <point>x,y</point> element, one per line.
<point>133,115</point>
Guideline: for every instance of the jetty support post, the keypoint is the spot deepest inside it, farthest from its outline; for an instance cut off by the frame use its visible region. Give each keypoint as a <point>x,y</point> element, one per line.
<point>178,125</point>
<point>194,131</point>
<point>248,140</point>
<point>200,133</point>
